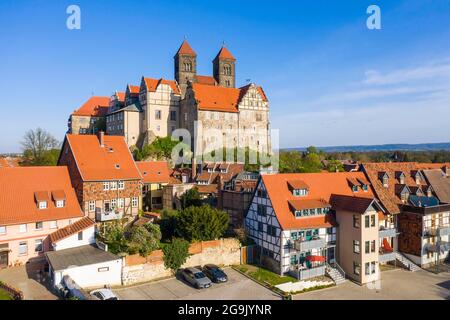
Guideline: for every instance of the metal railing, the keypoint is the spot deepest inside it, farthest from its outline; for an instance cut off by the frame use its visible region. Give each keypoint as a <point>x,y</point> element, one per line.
<point>305,245</point>
<point>103,216</point>
<point>337,267</point>
<point>308,273</point>
<point>387,232</point>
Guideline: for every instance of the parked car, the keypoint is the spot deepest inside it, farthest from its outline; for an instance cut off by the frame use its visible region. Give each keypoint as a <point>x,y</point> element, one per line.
<point>214,273</point>
<point>196,278</point>
<point>104,294</point>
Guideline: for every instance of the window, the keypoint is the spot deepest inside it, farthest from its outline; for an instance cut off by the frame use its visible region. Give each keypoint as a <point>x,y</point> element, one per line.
<point>134,202</point>
<point>103,269</point>
<point>158,114</point>
<point>356,268</point>
<point>355,188</point>
<point>271,231</point>
<point>113,185</point>
<point>367,268</point>
<point>107,206</point>
<point>367,221</point>
<point>260,226</point>
<point>365,187</point>
<point>355,221</point>
<point>42,204</point>
<point>121,185</point>
<point>385,181</point>
<point>372,246</point>
<point>23,228</point>
<point>53,224</point>
<point>373,267</point>
<point>294,235</point>
<point>2,229</point>
<point>121,203</point>
<point>262,210</point>
<point>38,247</point>
<point>173,115</point>
<point>60,203</point>
<point>367,247</point>
<point>105,186</point>
<point>113,203</point>
<point>293,259</point>
<point>300,192</point>
<point>261,193</point>
<point>372,220</point>
<point>227,70</point>
<point>39,225</point>
<point>80,235</point>
<point>91,206</point>
<point>355,246</point>
<point>23,248</point>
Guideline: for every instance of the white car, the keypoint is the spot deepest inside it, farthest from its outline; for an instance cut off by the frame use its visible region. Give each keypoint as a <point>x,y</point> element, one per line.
<point>104,294</point>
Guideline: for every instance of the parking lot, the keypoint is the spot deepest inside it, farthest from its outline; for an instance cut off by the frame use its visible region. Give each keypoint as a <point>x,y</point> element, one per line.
<point>238,287</point>
<point>396,284</point>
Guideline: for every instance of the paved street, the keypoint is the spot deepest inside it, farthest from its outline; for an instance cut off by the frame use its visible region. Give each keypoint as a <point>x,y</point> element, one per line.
<point>396,284</point>
<point>26,278</point>
<point>238,287</point>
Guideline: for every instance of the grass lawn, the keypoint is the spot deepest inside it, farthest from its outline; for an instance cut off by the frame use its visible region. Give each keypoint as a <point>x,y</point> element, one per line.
<point>4,295</point>
<point>264,275</point>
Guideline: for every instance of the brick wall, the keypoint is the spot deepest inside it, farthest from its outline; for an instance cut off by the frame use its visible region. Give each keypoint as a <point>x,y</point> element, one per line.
<point>410,238</point>
<point>220,252</point>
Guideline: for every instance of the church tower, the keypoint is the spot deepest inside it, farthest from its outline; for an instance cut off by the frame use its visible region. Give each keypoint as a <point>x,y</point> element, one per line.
<point>185,66</point>
<point>224,70</point>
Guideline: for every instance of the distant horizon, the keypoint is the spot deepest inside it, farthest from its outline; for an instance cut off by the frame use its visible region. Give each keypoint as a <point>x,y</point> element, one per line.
<point>329,79</point>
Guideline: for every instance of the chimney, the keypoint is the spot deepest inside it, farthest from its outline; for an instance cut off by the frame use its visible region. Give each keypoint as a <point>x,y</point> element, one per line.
<point>194,168</point>
<point>101,138</point>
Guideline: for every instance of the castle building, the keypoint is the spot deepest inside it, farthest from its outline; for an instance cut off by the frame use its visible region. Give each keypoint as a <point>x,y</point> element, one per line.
<point>211,106</point>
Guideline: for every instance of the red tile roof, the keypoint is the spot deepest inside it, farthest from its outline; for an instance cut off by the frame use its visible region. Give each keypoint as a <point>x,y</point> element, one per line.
<point>9,162</point>
<point>260,90</point>
<point>297,184</point>
<point>71,229</point>
<point>389,196</point>
<point>224,53</point>
<point>18,187</point>
<point>134,89</point>
<point>185,48</point>
<point>216,98</point>
<point>152,84</point>
<point>121,96</point>
<point>94,107</point>
<point>302,204</point>
<point>350,203</point>
<point>113,161</point>
<point>208,80</point>
<point>154,171</point>
<point>321,186</point>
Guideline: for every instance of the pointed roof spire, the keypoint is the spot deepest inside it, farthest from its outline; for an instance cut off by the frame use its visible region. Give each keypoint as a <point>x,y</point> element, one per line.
<point>185,48</point>
<point>224,53</point>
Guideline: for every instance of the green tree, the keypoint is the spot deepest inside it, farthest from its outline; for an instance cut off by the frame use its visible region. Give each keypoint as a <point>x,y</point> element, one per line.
<point>40,148</point>
<point>143,239</point>
<point>175,254</point>
<point>290,162</point>
<point>311,163</point>
<point>335,166</point>
<point>191,198</point>
<point>114,236</point>
<point>202,223</point>
<point>168,224</point>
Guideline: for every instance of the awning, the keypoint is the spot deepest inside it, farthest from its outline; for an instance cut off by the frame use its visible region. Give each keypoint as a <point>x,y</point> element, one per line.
<point>315,258</point>
<point>386,246</point>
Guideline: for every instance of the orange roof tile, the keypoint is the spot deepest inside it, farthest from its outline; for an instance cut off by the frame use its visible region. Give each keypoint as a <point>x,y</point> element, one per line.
<point>94,107</point>
<point>260,90</point>
<point>388,196</point>
<point>134,89</point>
<point>154,171</point>
<point>113,161</point>
<point>71,229</point>
<point>216,98</point>
<point>302,204</point>
<point>297,184</point>
<point>208,80</point>
<point>121,96</point>
<point>321,186</point>
<point>152,84</point>
<point>224,53</point>
<point>9,162</point>
<point>18,187</point>
<point>185,48</point>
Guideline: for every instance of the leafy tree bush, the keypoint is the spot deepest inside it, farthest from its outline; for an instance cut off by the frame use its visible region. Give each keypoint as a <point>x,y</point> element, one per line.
<point>191,198</point>
<point>202,223</point>
<point>175,254</point>
<point>168,224</point>
<point>40,148</point>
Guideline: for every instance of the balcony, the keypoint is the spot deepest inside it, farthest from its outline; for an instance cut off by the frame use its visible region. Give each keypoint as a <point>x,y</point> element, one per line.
<point>385,255</point>
<point>306,245</point>
<point>387,232</point>
<point>440,246</point>
<point>439,231</point>
<point>307,273</point>
<point>104,216</point>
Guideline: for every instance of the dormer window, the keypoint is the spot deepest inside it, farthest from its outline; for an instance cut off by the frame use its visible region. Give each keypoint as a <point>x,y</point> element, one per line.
<point>384,178</point>
<point>365,187</point>
<point>41,197</point>
<point>355,188</point>
<point>298,188</point>
<point>300,192</point>
<point>400,176</point>
<point>42,205</point>
<point>60,204</point>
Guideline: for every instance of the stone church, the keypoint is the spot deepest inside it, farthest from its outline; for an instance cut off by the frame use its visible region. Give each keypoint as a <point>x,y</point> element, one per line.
<point>210,106</point>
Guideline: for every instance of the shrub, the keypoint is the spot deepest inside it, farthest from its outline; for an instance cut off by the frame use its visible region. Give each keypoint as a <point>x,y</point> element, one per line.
<point>175,254</point>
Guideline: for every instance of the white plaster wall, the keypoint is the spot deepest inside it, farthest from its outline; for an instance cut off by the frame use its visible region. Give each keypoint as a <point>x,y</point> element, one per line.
<point>73,242</point>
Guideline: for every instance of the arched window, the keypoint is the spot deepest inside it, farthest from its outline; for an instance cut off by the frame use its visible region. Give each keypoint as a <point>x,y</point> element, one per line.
<point>188,66</point>
<point>227,70</point>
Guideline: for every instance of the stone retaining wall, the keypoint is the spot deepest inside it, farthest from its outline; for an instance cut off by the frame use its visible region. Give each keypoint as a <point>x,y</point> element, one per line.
<point>223,252</point>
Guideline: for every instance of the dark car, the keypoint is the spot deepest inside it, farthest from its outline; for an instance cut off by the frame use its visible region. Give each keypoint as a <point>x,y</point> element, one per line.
<point>195,277</point>
<point>215,273</point>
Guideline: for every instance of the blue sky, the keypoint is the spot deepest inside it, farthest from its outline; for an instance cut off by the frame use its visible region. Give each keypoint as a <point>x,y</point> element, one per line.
<point>330,80</point>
